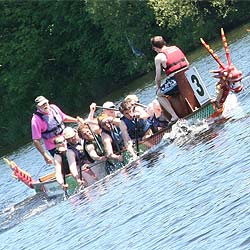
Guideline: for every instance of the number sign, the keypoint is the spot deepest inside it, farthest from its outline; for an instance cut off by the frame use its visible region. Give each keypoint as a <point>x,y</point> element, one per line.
<point>200,90</point>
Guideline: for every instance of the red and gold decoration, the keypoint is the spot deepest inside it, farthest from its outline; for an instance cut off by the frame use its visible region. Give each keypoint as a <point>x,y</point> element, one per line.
<point>229,77</point>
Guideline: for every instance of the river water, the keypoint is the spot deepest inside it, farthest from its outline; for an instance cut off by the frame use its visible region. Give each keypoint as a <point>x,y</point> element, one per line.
<point>191,191</point>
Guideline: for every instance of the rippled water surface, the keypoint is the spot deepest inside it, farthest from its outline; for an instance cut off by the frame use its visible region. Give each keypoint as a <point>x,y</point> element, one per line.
<point>190,192</point>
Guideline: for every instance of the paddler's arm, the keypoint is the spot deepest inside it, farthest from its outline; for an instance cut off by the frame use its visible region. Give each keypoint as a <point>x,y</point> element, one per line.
<point>127,140</point>
<point>93,123</point>
<point>58,170</point>
<point>72,165</point>
<point>107,143</point>
<point>68,118</point>
<point>92,109</point>
<point>92,153</point>
<point>48,159</point>
<point>158,62</point>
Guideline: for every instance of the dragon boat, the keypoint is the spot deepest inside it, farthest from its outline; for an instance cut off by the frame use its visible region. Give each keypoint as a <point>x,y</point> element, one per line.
<point>192,102</point>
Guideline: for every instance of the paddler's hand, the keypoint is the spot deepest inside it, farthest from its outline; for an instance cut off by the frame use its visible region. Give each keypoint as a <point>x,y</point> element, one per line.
<point>135,156</point>
<point>80,120</point>
<point>48,159</point>
<point>116,157</point>
<point>102,158</point>
<point>92,107</point>
<point>120,158</point>
<point>65,186</point>
<point>82,182</point>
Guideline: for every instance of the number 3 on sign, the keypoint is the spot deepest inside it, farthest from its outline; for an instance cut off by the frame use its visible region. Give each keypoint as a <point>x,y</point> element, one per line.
<point>200,90</point>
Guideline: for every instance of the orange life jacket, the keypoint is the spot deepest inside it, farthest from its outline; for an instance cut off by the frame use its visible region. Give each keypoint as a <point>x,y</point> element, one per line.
<point>176,59</point>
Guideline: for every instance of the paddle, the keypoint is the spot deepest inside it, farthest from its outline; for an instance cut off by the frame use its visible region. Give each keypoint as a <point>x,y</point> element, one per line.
<point>100,107</point>
<point>116,145</point>
<point>66,195</point>
<point>101,150</point>
<point>96,140</point>
<point>136,136</point>
<point>140,105</point>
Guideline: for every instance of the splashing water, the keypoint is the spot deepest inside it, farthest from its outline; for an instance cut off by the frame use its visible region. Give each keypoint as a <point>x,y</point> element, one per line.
<point>232,107</point>
<point>183,130</point>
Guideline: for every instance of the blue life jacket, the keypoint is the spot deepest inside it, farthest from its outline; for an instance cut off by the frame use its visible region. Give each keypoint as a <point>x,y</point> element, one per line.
<point>55,125</point>
<point>157,123</point>
<point>142,127</point>
<point>116,136</point>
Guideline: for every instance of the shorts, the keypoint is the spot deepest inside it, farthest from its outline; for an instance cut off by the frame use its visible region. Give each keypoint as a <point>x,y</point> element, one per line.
<point>170,87</point>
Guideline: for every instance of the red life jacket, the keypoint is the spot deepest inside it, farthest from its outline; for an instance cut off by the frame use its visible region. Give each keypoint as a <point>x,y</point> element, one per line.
<point>176,59</point>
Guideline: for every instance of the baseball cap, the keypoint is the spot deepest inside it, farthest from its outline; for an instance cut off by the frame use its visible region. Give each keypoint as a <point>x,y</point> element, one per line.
<point>40,100</point>
<point>108,105</point>
<point>68,133</point>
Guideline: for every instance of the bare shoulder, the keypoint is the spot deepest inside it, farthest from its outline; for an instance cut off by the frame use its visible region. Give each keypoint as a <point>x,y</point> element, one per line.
<point>160,57</point>
<point>105,136</point>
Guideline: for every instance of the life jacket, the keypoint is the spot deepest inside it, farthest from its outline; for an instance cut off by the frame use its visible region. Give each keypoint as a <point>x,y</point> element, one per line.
<point>142,127</point>
<point>116,136</point>
<point>65,164</point>
<point>176,59</point>
<point>157,123</point>
<point>97,149</point>
<point>81,157</point>
<point>55,125</point>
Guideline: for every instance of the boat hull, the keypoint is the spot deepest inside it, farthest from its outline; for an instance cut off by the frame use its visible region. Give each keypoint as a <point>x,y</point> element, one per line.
<point>52,188</point>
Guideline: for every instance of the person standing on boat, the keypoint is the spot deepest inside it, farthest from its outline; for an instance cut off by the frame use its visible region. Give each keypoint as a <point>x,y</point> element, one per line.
<point>171,59</point>
<point>47,123</point>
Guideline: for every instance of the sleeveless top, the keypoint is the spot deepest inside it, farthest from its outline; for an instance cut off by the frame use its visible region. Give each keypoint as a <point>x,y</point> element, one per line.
<point>81,157</point>
<point>117,140</point>
<point>100,152</point>
<point>65,164</point>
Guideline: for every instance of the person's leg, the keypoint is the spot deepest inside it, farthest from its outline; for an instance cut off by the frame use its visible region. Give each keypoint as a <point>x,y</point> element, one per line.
<point>166,105</point>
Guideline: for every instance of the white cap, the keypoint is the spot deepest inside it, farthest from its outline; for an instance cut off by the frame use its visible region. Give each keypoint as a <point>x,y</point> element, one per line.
<point>108,105</point>
<point>40,100</point>
<point>132,98</point>
<point>68,132</point>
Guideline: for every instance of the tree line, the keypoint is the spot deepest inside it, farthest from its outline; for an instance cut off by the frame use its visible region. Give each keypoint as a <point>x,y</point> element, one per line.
<point>74,52</point>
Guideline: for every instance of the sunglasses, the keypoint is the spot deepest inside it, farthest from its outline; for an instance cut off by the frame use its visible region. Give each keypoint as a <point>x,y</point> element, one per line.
<point>59,142</point>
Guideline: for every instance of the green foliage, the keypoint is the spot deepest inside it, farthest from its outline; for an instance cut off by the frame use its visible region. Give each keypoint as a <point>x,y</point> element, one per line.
<point>75,52</point>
